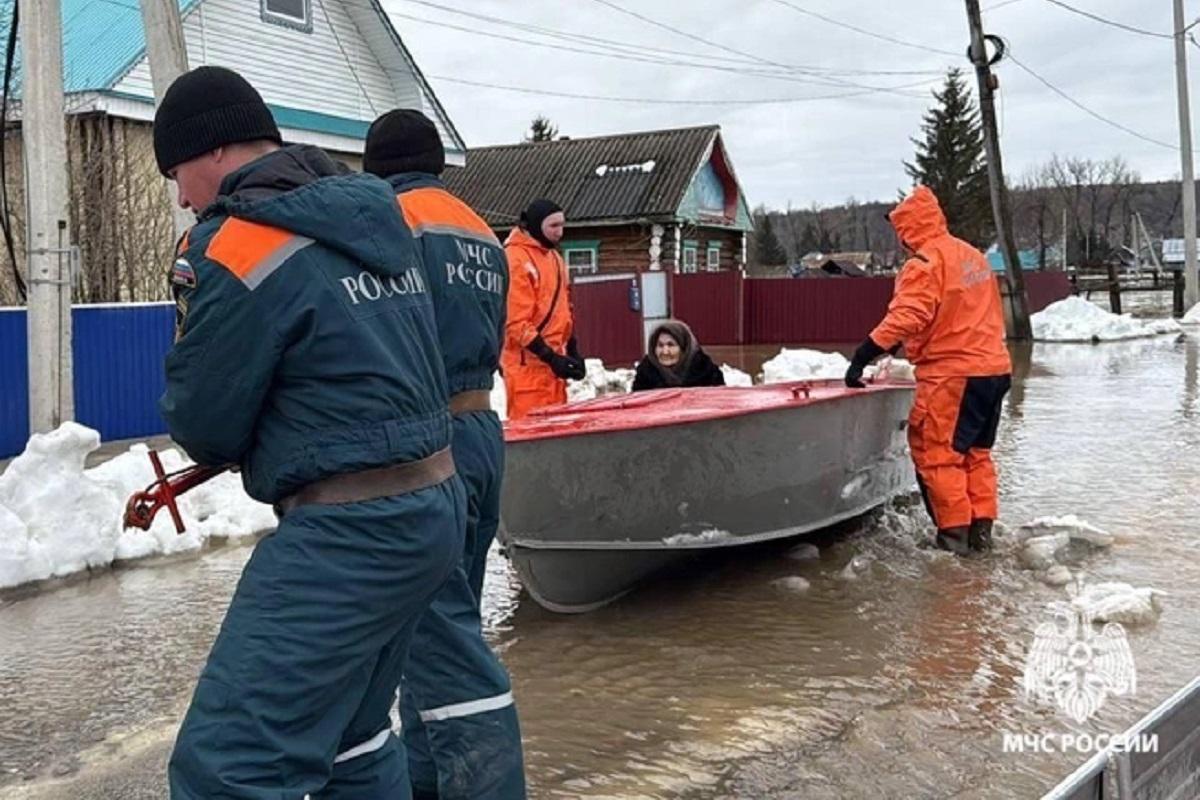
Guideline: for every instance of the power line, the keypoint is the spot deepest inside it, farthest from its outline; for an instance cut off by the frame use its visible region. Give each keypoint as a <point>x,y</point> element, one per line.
<point>1087,110</point>
<point>708,42</point>
<point>864,32</point>
<point>346,56</point>
<point>679,32</point>
<point>1001,5</point>
<point>575,37</point>
<point>625,56</point>
<point>648,100</point>
<point>1109,22</point>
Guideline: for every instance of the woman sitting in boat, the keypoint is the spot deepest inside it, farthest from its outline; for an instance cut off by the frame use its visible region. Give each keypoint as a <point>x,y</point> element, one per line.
<point>674,358</point>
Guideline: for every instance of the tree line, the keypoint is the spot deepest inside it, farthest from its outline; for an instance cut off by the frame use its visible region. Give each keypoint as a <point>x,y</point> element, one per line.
<point>1088,203</point>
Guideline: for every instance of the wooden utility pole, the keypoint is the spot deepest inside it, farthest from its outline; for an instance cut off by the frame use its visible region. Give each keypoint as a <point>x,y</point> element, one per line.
<point>166,51</point>
<point>1018,302</point>
<point>47,238</point>
<point>1191,291</point>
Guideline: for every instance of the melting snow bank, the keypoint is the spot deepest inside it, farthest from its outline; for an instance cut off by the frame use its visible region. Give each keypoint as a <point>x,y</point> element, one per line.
<point>803,365</point>
<point>1076,320</point>
<point>1192,317</point>
<point>56,518</point>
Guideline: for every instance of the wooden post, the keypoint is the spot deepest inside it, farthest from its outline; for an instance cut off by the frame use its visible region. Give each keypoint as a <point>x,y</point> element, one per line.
<point>1018,300</point>
<point>1179,290</point>
<point>1114,289</point>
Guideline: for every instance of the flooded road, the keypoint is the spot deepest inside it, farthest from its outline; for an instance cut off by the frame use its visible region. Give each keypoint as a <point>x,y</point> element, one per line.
<point>713,682</point>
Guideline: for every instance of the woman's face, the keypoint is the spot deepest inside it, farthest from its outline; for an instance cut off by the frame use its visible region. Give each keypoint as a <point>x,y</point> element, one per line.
<point>666,349</point>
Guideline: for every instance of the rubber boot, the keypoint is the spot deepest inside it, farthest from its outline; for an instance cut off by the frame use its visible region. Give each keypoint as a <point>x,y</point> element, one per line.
<point>954,539</point>
<point>980,536</point>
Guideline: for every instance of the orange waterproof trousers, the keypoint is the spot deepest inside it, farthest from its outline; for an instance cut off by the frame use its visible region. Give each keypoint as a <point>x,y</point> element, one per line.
<point>951,430</point>
<point>530,385</point>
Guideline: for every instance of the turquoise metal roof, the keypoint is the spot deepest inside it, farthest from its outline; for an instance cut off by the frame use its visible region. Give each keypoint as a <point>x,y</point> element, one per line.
<point>102,40</point>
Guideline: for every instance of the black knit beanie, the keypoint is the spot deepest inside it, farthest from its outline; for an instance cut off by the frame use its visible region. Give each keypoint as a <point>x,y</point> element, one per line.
<point>208,108</point>
<point>533,217</point>
<point>403,140</point>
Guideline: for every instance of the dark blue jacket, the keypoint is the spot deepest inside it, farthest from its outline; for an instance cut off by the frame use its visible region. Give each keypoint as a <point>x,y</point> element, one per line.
<point>306,345</point>
<point>468,275</point>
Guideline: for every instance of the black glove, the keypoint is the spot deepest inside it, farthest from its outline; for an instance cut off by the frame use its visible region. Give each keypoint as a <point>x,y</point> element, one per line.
<point>867,352</point>
<point>563,367</point>
<point>573,349</point>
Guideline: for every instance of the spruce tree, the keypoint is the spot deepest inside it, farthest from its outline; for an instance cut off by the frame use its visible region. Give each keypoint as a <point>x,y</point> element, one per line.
<point>766,244</point>
<point>950,160</point>
<point>542,130</point>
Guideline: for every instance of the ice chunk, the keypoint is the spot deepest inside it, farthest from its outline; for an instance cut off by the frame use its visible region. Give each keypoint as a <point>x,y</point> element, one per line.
<point>703,537</point>
<point>804,552</point>
<point>1119,602</point>
<point>1041,552</point>
<point>1058,575</point>
<point>792,583</point>
<point>857,566</point>
<point>1077,530</point>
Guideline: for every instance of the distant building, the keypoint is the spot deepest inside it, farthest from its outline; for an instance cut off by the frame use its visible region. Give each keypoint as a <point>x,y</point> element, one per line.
<point>635,202</point>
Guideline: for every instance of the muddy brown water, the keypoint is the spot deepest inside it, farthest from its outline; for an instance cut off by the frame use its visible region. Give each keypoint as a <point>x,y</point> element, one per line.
<point>713,682</point>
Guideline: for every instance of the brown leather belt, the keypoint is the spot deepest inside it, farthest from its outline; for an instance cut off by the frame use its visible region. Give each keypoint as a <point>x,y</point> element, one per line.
<point>372,484</point>
<point>464,402</point>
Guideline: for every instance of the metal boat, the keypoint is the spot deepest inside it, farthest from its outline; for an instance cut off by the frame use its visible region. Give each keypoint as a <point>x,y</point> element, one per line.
<point>599,495</point>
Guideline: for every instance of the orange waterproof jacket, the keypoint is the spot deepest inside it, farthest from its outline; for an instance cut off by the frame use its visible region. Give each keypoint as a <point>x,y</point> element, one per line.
<point>946,308</point>
<point>538,291</point>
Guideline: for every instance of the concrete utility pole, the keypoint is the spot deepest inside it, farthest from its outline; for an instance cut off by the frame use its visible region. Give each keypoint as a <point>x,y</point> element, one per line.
<point>1191,291</point>
<point>166,51</point>
<point>48,239</point>
<point>1018,302</point>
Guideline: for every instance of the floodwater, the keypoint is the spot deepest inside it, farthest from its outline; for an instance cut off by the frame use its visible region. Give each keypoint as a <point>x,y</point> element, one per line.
<point>714,683</point>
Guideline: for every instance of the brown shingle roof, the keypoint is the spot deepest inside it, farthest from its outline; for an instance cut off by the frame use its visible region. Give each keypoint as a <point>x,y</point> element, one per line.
<point>500,181</point>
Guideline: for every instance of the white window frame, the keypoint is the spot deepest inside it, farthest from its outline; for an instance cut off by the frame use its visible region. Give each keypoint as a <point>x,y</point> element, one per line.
<point>287,20</point>
<point>690,259</point>
<point>591,269</point>
<point>713,264</point>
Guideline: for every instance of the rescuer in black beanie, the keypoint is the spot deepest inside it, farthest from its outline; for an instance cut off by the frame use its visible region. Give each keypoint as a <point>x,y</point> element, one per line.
<point>207,108</point>
<point>403,140</point>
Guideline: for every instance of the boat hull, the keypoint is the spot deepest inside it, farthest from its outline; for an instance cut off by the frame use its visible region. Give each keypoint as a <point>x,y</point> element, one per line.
<point>587,518</point>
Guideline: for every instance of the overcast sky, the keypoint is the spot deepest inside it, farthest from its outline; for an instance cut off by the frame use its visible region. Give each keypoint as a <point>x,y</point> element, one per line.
<point>823,150</point>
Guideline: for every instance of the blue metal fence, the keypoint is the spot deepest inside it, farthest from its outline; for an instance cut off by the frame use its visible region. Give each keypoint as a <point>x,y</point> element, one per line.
<point>118,352</point>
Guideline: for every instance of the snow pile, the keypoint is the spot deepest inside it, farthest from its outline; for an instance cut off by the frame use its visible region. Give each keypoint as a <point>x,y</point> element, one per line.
<point>1076,320</point>
<point>1118,602</point>
<point>806,365</point>
<point>735,377</point>
<point>1192,317</point>
<point>802,365</point>
<point>55,521</point>
<point>57,518</point>
<point>599,381</point>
